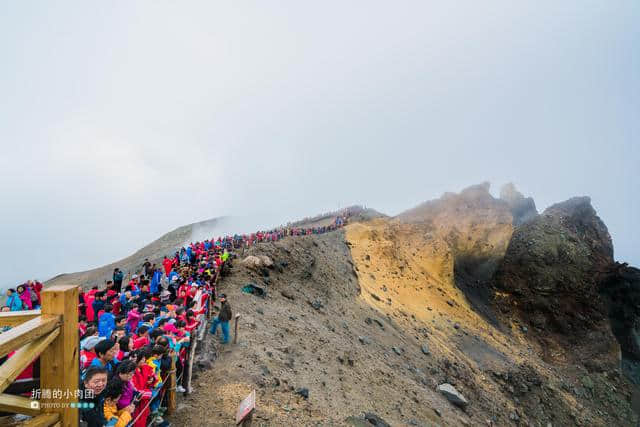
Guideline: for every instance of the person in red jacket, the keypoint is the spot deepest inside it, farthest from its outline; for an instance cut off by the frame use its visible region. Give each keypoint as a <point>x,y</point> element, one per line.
<point>37,287</point>
<point>143,379</point>
<point>167,264</point>
<point>89,297</point>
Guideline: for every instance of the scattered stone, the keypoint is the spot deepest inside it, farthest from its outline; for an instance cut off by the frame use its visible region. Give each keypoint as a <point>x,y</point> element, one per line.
<point>287,295</point>
<point>364,340</point>
<point>259,311</point>
<point>437,411</point>
<point>370,321</point>
<point>456,326</point>
<point>425,349</point>
<point>374,296</point>
<point>257,262</point>
<point>514,417</point>
<point>304,392</point>
<point>317,304</point>
<point>453,395</point>
<point>450,302</point>
<point>376,420</point>
<point>524,329</point>
<point>396,350</point>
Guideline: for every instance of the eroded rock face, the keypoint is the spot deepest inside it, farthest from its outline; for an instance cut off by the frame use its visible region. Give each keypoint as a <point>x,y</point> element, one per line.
<point>548,276</point>
<point>522,208</point>
<point>620,284</point>
<point>475,226</point>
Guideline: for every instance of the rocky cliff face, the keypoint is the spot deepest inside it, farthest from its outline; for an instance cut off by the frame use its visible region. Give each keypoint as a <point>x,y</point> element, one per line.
<point>522,208</point>
<point>548,278</point>
<point>475,226</point>
<point>620,285</point>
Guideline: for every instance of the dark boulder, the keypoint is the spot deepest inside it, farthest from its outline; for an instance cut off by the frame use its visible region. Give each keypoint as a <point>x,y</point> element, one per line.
<point>548,277</point>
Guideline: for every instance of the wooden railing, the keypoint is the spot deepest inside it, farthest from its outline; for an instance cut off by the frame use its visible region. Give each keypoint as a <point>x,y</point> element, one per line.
<point>52,334</point>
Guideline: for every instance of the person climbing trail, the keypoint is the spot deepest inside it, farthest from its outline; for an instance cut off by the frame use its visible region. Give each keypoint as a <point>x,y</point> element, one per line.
<point>222,319</point>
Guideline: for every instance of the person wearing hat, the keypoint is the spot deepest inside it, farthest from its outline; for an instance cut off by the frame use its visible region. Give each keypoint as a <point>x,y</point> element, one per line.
<point>86,353</point>
<point>222,319</point>
<point>165,295</point>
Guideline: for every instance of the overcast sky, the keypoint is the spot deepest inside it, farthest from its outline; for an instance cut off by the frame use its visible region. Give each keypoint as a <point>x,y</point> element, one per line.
<point>121,120</point>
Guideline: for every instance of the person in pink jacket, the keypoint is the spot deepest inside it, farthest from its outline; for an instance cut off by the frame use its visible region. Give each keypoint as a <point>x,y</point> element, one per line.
<point>133,318</point>
<point>25,296</point>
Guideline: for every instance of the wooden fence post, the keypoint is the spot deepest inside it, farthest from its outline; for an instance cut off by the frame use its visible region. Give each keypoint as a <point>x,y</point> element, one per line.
<point>235,329</point>
<point>59,362</point>
<point>188,365</point>
<point>171,388</point>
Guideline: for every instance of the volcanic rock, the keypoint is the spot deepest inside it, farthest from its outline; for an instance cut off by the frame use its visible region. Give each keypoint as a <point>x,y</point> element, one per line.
<point>453,395</point>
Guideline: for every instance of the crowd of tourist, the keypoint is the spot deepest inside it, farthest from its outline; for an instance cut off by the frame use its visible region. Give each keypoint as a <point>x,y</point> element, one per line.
<point>137,329</point>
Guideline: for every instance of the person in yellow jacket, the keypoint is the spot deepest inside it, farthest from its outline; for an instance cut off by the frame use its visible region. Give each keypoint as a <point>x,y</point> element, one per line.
<point>113,416</point>
<point>155,362</point>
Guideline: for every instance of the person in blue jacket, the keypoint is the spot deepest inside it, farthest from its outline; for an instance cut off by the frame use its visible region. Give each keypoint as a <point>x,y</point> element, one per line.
<point>172,275</point>
<point>155,281</point>
<point>13,300</point>
<point>106,322</point>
